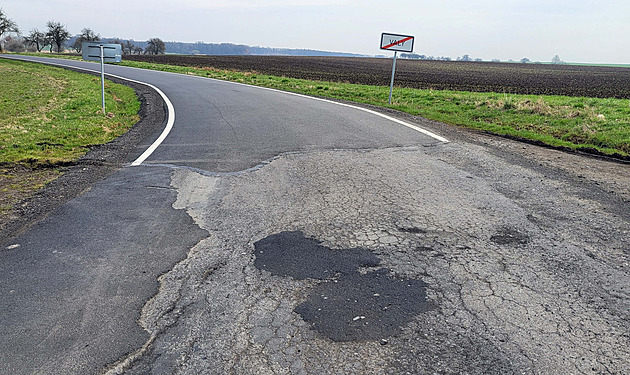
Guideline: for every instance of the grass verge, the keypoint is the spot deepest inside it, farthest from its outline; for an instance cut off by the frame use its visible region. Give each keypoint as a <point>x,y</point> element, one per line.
<point>580,123</point>
<point>50,117</point>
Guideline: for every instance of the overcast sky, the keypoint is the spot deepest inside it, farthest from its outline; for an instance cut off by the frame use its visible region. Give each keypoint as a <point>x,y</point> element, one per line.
<point>576,30</point>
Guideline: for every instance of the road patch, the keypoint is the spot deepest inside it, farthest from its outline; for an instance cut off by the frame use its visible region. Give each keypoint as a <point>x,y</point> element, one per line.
<point>348,305</point>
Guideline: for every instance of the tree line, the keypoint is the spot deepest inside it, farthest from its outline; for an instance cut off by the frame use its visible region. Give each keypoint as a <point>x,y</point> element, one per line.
<point>56,38</point>
<point>413,56</point>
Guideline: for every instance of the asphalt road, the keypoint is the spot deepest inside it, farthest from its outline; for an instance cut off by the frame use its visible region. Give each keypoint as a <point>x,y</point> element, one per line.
<point>226,127</point>
<point>73,289</point>
<point>276,234</point>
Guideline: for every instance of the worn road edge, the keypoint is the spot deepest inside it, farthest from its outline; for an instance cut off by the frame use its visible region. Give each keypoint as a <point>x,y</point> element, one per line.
<point>100,162</point>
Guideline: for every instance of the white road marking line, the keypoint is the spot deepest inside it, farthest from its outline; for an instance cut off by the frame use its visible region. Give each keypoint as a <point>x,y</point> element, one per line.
<point>400,122</point>
<point>170,115</point>
<point>162,137</point>
<point>171,109</point>
<point>404,123</point>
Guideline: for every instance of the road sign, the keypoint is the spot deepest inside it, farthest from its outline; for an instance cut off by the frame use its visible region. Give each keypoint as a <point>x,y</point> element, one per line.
<point>92,52</point>
<point>397,42</point>
<point>95,51</point>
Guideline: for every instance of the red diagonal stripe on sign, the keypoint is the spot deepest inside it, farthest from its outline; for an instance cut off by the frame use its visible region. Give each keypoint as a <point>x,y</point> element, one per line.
<point>398,42</point>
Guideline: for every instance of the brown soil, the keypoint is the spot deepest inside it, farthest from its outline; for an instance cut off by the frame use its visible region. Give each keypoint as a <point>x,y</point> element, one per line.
<point>538,79</point>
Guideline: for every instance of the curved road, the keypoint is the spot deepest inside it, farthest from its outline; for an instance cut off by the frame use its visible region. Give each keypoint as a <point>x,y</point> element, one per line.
<point>73,289</point>
<point>271,233</point>
<point>225,127</point>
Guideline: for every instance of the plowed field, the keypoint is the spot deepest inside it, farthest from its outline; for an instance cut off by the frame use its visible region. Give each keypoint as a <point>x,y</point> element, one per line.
<point>538,79</point>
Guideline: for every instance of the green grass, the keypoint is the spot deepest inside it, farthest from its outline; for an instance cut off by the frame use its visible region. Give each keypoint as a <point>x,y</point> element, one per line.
<point>51,115</point>
<point>601,64</point>
<point>561,121</point>
<point>580,123</point>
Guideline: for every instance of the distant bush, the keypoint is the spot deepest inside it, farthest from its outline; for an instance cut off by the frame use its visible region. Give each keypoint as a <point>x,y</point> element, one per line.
<point>14,44</point>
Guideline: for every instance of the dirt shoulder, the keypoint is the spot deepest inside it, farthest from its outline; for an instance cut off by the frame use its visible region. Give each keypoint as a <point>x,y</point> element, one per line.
<point>609,173</point>
<point>79,176</point>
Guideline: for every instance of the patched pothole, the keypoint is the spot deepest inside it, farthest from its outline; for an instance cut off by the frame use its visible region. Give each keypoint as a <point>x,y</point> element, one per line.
<point>509,236</point>
<point>347,305</point>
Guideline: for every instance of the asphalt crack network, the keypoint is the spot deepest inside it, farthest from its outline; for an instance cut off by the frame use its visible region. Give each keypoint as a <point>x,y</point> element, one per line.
<point>512,270</point>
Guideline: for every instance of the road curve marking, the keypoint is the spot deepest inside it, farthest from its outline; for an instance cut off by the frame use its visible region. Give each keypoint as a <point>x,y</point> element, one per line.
<point>171,109</point>
<point>400,122</point>
<point>404,123</point>
<point>170,113</point>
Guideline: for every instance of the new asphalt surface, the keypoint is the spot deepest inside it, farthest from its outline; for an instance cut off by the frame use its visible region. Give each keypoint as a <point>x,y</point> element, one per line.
<point>227,127</point>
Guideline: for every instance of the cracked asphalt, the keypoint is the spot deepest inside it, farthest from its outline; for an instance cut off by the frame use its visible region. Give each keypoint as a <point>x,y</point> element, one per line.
<point>254,242</point>
<point>525,268</point>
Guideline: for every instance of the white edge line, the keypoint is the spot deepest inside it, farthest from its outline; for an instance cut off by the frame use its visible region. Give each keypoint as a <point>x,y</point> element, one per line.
<point>404,123</point>
<point>167,129</point>
<point>169,105</point>
<point>171,113</point>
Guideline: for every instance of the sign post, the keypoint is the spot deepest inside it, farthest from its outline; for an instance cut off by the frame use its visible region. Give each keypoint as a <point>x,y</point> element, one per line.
<point>102,78</point>
<point>391,84</point>
<point>396,42</point>
<point>95,51</point>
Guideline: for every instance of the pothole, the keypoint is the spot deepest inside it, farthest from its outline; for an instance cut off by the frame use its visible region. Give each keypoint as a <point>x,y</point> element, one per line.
<point>347,305</point>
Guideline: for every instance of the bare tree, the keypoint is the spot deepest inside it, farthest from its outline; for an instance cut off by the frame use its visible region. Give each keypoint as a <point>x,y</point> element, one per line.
<point>138,50</point>
<point>128,48</point>
<point>87,35</point>
<point>556,60</point>
<point>155,47</point>
<point>58,34</point>
<point>6,26</point>
<point>36,38</point>
<point>525,60</point>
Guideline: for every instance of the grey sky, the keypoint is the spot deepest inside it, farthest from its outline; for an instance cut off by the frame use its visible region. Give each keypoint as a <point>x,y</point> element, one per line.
<point>577,30</point>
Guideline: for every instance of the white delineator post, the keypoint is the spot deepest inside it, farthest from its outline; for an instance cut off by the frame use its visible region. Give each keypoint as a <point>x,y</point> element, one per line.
<point>396,42</point>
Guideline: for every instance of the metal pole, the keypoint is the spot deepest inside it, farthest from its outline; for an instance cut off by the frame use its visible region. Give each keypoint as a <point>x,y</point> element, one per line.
<point>102,79</point>
<point>391,86</point>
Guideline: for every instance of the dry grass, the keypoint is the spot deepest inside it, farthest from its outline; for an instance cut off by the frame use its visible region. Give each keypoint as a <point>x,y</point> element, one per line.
<point>543,108</point>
